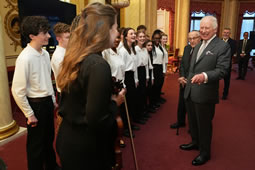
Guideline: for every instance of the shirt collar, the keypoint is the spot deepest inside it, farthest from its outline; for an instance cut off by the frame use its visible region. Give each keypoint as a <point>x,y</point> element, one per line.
<point>208,41</point>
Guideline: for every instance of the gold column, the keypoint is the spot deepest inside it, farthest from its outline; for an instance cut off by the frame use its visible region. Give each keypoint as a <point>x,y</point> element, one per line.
<point>151,16</point>
<point>80,5</point>
<point>182,9</point>
<point>8,126</point>
<point>233,17</point>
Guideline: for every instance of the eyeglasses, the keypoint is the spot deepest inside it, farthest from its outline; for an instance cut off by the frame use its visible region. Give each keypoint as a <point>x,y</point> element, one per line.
<point>190,39</point>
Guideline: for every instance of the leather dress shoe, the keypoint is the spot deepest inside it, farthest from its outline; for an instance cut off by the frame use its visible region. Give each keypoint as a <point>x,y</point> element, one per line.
<point>134,127</point>
<point>140,121</point>
<point>188,147</point>
<point>127,134</point>
<point>151,110</point>
<point>238,78</point>
<point>224,97</point>
<point>176,125</point>
<point>200,160</point>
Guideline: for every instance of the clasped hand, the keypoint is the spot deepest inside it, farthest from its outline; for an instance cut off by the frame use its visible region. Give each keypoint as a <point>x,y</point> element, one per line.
<point>198,79</point>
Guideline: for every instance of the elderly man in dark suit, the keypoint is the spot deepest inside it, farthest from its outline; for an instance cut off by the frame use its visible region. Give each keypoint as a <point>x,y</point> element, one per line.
<point>243,55</point>
<point>226,38</point>
<point>209,63</point>
<point>194,39</point>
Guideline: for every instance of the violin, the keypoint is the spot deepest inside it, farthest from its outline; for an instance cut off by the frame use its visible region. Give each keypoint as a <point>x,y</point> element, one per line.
<point>117,86</point>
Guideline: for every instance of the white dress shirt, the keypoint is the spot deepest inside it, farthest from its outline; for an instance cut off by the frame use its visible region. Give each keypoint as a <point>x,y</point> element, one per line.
<point>116,63</point>
<point>32,78</point>
<point>165,55</point>
<point>130,60</point>
<point>159,58</point>
<point>143,59</point>
<point>56,61</point>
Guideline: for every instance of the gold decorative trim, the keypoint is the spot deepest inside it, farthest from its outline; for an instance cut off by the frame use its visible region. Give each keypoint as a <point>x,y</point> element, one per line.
<point>12,23</point>
<point>10,130</point>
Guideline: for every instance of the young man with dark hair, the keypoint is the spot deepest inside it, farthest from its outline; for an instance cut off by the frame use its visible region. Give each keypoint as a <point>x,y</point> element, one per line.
<point>33,92</point>
<point>141,28</point>
<point>62,33</point>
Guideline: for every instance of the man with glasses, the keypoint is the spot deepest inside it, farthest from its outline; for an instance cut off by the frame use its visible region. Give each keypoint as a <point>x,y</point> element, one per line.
<point>226,38</point>
<point>194,39</point>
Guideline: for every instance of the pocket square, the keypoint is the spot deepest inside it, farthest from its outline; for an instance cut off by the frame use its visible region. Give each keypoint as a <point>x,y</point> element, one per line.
<point>209,53</point>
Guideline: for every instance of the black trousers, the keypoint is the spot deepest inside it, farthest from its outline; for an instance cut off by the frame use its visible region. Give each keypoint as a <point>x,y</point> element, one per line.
<point>227,82</point>
<point>141,89</point>
<point>40,152</point>
<point>200,118</point>
<point>242,66</point>
<point>181,111</point>
<point>131,95</point>
<point>158,81</point>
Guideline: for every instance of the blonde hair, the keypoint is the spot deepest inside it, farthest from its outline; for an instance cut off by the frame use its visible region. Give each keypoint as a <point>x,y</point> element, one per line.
<point>92,36</point>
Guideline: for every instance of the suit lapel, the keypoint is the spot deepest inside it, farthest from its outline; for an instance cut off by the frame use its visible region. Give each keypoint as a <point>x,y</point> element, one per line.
<point>209,47</point>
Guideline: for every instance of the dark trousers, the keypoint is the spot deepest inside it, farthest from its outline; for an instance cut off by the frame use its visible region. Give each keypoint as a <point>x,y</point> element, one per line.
<point>40,152</point>
<point>181,111</point>
<point>227,82</point>
<point>141,89</point>
<point>131,93</point>
<point>149,92</point>
<point>158,81</point>
<point>242,66</point>
<point>200,118</point>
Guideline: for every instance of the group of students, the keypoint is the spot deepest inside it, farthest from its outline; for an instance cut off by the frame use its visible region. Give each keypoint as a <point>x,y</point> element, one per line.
<point>140,63</point>
<point>90,55</point>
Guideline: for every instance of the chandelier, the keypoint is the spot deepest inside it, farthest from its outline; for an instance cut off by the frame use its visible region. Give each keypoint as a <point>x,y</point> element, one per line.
<point>120,3</point>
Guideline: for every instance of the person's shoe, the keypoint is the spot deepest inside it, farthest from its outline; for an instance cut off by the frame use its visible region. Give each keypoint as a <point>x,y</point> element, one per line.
<point>224,97</point>
<point>151,110</point>
<point>134,127</point>
<point>127,134</point>
<point>200,160</point>
<point>176,125</point>
<point>242,78</point>
<point>140,121</point>
<point>238,78</point>
<point>147,115</point>
<point>188,147</point>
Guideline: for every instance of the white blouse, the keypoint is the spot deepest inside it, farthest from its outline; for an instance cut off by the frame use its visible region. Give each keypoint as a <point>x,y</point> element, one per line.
<point>130,60</point>
<point>159,58</point>
<point>116,63</point>
<point>143,59</point>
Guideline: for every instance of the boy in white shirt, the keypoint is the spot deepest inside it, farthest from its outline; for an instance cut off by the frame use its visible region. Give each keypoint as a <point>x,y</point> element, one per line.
<point>33,92</point>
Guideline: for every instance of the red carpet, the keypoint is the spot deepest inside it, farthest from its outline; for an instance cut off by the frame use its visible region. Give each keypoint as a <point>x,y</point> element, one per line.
<point>157,145</point>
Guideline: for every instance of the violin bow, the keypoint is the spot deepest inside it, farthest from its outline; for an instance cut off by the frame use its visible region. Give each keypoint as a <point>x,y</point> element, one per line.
<point>131,134</point>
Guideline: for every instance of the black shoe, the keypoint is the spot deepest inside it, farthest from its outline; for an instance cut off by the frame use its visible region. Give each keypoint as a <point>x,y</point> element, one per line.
<point>238,78</point>
<point>189,147</point>
<point>156,106</point>
<point>242,78</point>
<point>134,127</point>
<point>200,160</point>
<point>140,121</point>
<point>224,97</point>
<point>147,115</point>
<point>127,134</point>
<point>176,125</point>
<point>151,110</point>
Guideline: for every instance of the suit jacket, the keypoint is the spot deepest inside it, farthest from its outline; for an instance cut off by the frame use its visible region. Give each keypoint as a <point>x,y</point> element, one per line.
<point>185,62</point>
<point>247,50</point>
<point>215,62</point>
<point>232,44</point>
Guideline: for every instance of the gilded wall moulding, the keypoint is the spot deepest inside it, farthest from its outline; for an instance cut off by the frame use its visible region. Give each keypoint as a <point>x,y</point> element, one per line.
<point>12,23</point>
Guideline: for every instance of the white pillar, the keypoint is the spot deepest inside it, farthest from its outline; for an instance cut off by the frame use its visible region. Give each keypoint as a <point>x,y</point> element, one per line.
<point>8,126</point>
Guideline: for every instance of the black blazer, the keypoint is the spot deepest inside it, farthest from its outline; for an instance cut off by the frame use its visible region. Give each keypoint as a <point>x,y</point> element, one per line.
<point>215,62</point>
<point>232,44</point>
<point>185,62</point>
<point>248,49</point>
